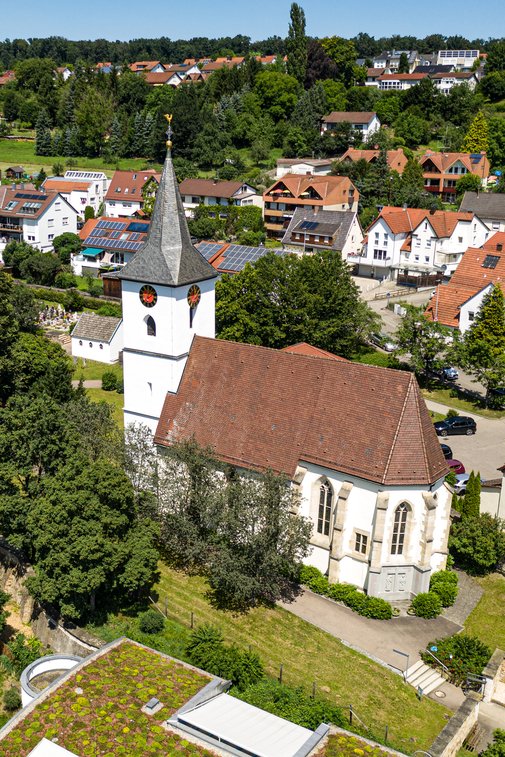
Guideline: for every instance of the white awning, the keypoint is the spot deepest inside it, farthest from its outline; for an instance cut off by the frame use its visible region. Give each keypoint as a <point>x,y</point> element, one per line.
<point>246,727</point>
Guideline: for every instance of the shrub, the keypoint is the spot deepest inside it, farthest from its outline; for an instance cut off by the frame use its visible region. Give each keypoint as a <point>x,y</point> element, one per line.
<point>292,704</point>
<point>207,650</point>
<point>451,413</point>
<point>151,622</point>
<point>65,280</point>
<point>319,584</point>
<point>460,654</point>
<point>340,592</point>
<point>109,381</point>
<point>478,543</point>
<point>307,572</point>
<point>12,700</point>
<point>427,605</point>
<point>444,583</point>
<point>120,387</point>
<point>497,747</point>
<point>204,638</point>
<point>378,608</point>
<point>357,602</point>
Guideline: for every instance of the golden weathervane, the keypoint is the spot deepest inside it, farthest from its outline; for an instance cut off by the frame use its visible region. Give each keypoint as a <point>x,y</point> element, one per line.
<point>169,130</point>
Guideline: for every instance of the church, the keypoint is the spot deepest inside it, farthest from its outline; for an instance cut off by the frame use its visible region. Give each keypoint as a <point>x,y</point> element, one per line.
<point>356,441</point>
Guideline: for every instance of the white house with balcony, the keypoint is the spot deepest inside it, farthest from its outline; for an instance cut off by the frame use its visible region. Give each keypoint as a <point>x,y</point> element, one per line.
<point>80,188</point>
<point>195,192</point>
<point>415,241</point>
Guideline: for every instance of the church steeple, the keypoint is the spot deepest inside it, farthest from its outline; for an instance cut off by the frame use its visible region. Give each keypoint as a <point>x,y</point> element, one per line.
<point>168,256</point>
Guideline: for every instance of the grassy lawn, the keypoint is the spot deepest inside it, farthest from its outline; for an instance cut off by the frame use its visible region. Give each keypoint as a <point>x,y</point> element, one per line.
<point>461,402</point>
<point>487,621</point>
<point>95,370</point>
<point>23,153</point>
<point>113,398</point>
<point>82,283</point>
<point>309,654</point>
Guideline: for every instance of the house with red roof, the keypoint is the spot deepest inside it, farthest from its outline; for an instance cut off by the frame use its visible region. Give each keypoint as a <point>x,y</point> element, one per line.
<point>442,171</point>
<point>125,195</point>
<point>397,160</point>
<point>195,192</point>
<point>418,242</point>
<point>400,81</point>
<point>366,123</point>
<point>479,270</point>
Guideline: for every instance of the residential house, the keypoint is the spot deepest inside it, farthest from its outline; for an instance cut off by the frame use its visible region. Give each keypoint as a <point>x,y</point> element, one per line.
<point>316,167</point>
<point>480,269</point>
<point>446,81</point>
<point>196,192</point>
<point>397,160</point>
<point>98,337</point>
<point>411,241</point>
<point>372,75</point>
<point>6,77</point>
<point>292,191</point>
<point>427,68</point>
<point>108,244</point>
<point>125,195</point>
<point>366,123</point>
<point>65,72</point>
<point>314,230</point>
<point>462,60</point>
<point>400,81</point>
<point>148,66</point>
<point>232,258</point>
<point>490,207</point>
<point>442,170</point>
<point>36,217</point>
<point>391,59</point>
<point>371,482</point>
<point>80,188</point>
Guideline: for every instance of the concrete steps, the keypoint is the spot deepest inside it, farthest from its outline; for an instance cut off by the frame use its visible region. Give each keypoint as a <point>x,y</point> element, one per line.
<point>425,677</point>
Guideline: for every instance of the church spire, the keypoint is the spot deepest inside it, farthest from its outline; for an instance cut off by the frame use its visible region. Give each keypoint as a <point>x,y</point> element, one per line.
<point>168,256</point>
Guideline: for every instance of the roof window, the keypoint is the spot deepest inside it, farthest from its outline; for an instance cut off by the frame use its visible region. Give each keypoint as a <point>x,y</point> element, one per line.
<point>134,176</point>
<point>118,189</point>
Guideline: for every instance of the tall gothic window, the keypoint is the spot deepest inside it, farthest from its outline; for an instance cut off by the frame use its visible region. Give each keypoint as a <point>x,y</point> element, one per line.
<point>151,326</point>
<point>399,527</point>
<point>324,515</point>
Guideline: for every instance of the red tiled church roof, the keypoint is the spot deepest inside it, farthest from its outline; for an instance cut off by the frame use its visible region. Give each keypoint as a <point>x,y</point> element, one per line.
<point>259,408</point>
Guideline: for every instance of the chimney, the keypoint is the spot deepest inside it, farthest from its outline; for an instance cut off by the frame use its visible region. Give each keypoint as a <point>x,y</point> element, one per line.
<point>405,206</point>
<point>14,185</point>
<point>22,185</point>
<point>316,209</point>
<point>215,179</point>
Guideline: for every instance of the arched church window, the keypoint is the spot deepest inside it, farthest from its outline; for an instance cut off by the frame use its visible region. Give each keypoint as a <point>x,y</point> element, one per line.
<point>151,326</point>
<point>399,528</point>
<point>324,514</point>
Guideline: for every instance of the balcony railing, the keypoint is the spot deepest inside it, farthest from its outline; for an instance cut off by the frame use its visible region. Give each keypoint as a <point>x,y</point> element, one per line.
<point>12,226</point>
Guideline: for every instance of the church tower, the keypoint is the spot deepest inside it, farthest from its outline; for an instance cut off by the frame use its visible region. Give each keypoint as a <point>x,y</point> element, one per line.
<point>168,296</point>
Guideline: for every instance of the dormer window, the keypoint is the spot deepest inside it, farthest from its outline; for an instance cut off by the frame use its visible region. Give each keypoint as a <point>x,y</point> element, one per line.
<point>118,189</point>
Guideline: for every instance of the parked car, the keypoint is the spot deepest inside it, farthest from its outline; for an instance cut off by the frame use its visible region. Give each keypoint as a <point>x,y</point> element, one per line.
<point>456,466</point>
<point>384,341</point>
<point>458,425</point>
<point>461,482</point>
<point>449,374</point>
<point>447,451</point>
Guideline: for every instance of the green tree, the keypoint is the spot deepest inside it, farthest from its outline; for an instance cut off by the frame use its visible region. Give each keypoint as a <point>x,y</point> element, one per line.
<point>497,747</point>
<point>335,95</point>
<point>15,253</point>
<point>493,86</point>
<point>296,44</point>
<point>94,117</point>
<point>403,65</point>
<point>478,543</point>
<point>482,350</point>
<point>423,339</point>
<point>343,54</point>
<point>26,307</point>
<point>471,506</point>
<point>65,245</point>
<point>277,93</point>
<point>88,213</point>
<point>413,129</point>
<point>476,139</point>
<point>86,518</point>
<point>43,141</point>
<point>138,136</point>
<point>279,301</point>
<point>495,60</point>
<point>115,137</point>
<point>468,183</point>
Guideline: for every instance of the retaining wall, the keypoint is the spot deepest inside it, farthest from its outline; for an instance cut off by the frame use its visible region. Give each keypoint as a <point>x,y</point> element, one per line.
<point>450,740</point>
<point>14,569</point>
<point>494,673</point>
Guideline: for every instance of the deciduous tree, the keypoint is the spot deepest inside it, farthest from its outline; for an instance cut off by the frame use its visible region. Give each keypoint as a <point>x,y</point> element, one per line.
<point>423,339</point>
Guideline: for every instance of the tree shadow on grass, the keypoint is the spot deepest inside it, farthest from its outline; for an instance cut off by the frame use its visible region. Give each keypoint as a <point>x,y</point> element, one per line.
<point>223,602</point>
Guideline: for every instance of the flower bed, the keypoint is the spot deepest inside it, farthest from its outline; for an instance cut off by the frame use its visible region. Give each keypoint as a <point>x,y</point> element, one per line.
<point>98,710</point>
<point>350,746</point>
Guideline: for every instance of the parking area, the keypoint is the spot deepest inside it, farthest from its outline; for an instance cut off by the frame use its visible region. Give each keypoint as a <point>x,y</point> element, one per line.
<point>484,451</point>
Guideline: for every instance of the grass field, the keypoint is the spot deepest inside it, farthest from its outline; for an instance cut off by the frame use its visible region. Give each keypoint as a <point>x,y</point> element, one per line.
<point>113,398</point>
<point>461,402</point>
<point>23,153</point>
<point>487,621</point>
<point>308,654</point>
<point>95,370</point>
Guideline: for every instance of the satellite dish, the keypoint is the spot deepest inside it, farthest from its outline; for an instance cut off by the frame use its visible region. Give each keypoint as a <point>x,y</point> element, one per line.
<point>444,268</point>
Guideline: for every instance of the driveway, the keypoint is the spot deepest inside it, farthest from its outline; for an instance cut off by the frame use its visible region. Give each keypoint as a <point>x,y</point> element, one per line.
<point>377,638</point>
<point>484,451</point>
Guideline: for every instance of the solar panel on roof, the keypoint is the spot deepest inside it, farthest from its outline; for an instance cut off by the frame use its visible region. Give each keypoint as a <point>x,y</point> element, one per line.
<point>96,233</point>
<point>115,235</point>
<point>30,197</point>
<point>490,261</point>
<point>101,225</point>
<point>142,227</point>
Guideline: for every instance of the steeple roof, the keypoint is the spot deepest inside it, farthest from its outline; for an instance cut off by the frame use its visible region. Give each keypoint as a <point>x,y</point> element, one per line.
<point>168,257</point>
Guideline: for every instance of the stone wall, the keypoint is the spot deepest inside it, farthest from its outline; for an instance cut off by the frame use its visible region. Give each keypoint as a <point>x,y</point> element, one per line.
<point>494,673</point>
<point>14,569</point>
<point>450,740</point>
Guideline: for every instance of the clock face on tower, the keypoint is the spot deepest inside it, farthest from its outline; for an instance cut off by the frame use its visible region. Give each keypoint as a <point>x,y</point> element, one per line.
<point>194,295</point>
<point>148,296</point>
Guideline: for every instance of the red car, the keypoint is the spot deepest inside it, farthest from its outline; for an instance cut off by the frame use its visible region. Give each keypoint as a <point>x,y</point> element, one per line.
<point>456,466</point>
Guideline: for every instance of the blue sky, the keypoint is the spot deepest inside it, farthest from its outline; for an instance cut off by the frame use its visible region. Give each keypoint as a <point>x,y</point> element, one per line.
<point>259,19</point>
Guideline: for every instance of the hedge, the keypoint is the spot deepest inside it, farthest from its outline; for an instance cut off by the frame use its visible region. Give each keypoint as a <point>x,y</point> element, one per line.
<point>370,607</point>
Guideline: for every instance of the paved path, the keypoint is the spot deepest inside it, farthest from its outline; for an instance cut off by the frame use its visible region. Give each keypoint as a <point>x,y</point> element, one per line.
<point>469,594</point>
<point>89,384</point>
<point>377,638</point>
